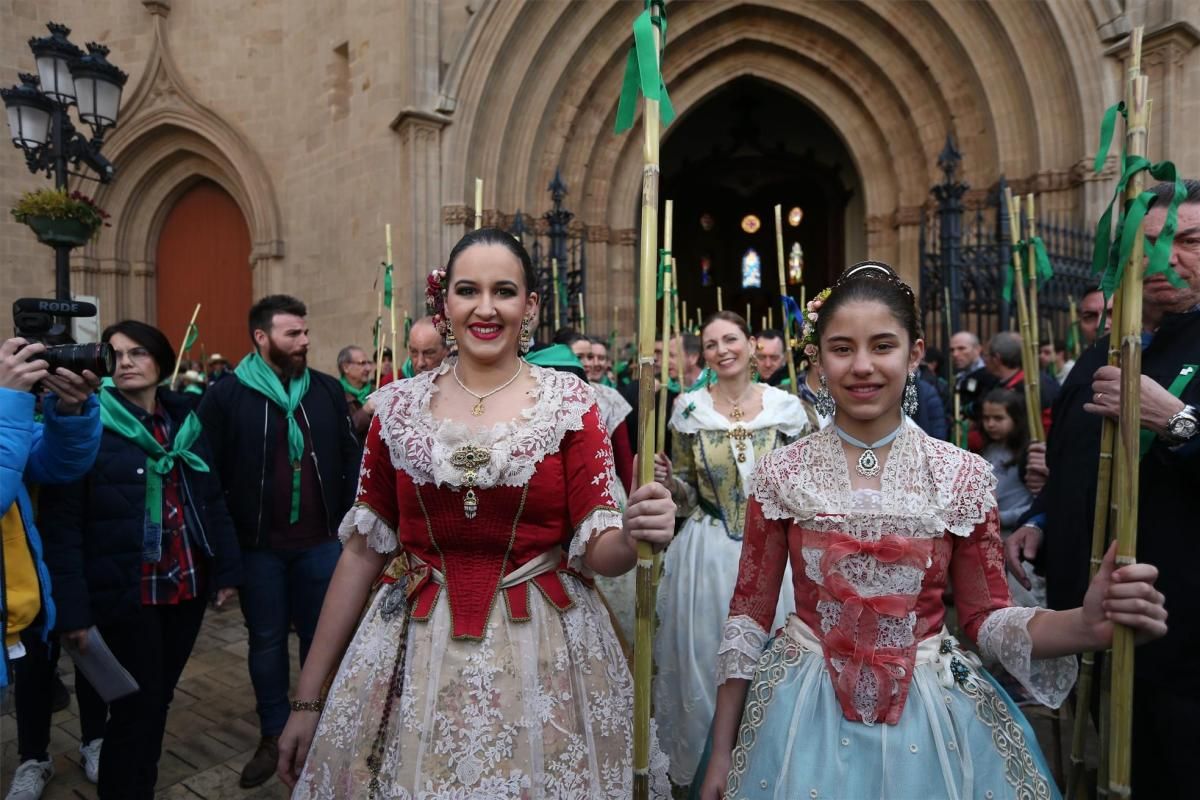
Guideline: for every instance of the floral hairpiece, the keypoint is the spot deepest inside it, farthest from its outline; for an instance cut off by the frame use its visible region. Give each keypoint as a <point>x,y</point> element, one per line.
<point>809,338</point>
<point>435,298</point>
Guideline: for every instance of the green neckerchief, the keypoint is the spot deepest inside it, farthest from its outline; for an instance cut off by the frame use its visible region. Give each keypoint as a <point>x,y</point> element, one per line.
<point>159,460</point>
<point>254,373</point>
<point>360,395</point>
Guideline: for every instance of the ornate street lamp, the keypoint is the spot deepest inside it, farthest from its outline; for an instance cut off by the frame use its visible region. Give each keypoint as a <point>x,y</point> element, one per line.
<point>40,122</point>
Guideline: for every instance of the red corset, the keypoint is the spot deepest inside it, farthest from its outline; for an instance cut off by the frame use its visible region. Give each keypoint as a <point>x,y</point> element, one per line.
<point>513,526</point>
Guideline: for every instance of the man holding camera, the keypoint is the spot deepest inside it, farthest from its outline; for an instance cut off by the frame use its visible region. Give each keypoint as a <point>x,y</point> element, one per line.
<point>59,449</point>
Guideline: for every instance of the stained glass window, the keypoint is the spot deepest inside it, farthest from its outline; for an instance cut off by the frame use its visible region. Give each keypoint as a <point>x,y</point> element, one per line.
<point>796,264</point>
<point>751,270</point>
<point>795,215</point>
<point>751,223</point>
<point>705,271</point>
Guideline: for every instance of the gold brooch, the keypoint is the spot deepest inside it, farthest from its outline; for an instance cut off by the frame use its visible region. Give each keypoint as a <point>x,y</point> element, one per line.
<point>469,459</point>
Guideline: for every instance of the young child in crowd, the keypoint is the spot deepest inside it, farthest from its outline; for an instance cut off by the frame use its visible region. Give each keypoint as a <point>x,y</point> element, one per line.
<point>1007,433</point>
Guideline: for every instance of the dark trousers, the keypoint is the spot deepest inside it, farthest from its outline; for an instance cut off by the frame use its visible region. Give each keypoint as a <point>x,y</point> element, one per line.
<point>282,588</point>
<point>1165,741</point>
<point>33,676</point>
<point>154,645</point>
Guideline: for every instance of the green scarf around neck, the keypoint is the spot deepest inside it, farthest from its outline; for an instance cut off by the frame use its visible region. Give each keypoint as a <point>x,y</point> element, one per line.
<point>254,373</point>
<point>159,460</point>
<point>359,395</point>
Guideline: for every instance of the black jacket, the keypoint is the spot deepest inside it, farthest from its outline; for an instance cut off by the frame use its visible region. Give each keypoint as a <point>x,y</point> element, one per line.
<point>242,423</point>
<point>1168,488</point>
<point>93,528</point>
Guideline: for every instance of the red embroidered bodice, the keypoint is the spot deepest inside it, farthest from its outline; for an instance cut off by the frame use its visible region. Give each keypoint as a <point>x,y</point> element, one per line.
<point>547,484</point>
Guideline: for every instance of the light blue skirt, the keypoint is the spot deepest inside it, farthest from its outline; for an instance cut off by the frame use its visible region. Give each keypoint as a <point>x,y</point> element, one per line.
<point>962,741</point>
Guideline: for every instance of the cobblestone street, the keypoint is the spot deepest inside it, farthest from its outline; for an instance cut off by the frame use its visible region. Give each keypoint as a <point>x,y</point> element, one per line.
<point>212,729</point>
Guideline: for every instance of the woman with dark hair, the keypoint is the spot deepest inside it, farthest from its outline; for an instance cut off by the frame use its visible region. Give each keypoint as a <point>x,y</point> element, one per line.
<point>718,433</point>
<point>864,693</point>
<point>138,547</point>
<point>486,665</point>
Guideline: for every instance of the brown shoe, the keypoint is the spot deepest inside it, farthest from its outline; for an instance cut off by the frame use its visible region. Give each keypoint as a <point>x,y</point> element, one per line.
<point>259,769</point>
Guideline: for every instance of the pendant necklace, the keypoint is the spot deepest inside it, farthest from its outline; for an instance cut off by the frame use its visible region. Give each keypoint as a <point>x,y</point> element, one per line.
<point>477,409</point>
<point>738,434</point>
<point>868,462</point>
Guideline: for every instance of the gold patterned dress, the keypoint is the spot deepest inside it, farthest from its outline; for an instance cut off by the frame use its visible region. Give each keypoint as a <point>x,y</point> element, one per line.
<point>700,566</point>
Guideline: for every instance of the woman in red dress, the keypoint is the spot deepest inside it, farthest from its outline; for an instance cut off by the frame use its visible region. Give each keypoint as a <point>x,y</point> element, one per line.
<point>486,666</point>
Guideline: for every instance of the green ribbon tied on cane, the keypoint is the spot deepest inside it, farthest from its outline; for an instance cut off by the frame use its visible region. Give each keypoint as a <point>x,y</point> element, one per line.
<point>664,266</point>
<point>1111,253</point>
<point>1042,269</point>
<point>159,460</point>
<point>387,285</point>
<point>193,334</point>
<point>254,373</point>
<point>642,69</point>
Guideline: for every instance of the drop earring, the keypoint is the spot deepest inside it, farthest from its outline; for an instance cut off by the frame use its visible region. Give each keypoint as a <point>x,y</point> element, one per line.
<point>451,342</point>
<point>911,402</point>
<point>824,404</point>
<point>526,340</point>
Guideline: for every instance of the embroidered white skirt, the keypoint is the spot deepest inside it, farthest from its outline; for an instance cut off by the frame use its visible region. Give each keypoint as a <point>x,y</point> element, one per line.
<point>537,709</point>
<point>699,572</point>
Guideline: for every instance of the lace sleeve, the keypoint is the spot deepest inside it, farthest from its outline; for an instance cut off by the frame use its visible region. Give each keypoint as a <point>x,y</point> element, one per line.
<point>361,519</point>
<point>596,522</point>
<point>1004,636</point>
<point>742,643</point>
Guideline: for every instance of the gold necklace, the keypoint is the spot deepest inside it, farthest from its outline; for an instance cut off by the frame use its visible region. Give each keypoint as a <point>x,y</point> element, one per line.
<point>738,434</point>
<point>477,409</point>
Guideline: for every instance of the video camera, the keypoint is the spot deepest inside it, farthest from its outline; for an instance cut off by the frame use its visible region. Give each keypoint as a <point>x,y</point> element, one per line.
<point>34,321</point>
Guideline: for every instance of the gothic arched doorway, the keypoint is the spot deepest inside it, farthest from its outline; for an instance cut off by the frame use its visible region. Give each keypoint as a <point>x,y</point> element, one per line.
<point>204,257</point>
<point>747,147</point>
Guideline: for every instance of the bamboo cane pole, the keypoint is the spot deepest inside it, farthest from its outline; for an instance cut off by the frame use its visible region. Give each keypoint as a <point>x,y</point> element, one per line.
<point>1076,333</point>
<point>478,203</point>
<point>183,347</point>
<point>685,321</point>
<point>1033,409</point>
<point>660,439</point>
<point>749,317</point>
<point>387,233</point>
<point>770,317</point>
<point>554,293</point>
<point>787,332</point>
<point>1033,370</point>
<point>720,301</point>
<point>582,315</point>
<point>1128,434</point>
<point>406,327</point>
<point>644,599</point>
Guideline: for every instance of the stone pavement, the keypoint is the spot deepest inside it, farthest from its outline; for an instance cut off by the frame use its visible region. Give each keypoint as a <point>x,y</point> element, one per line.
<point>212,729</point>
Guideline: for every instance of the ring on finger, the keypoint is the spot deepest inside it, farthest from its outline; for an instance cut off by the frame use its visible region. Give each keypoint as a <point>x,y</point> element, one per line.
<point>1099,396</point>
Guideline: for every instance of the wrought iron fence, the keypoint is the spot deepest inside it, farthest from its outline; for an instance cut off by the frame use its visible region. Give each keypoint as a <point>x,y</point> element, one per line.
<point>965,255</point>
<point>555,246</point>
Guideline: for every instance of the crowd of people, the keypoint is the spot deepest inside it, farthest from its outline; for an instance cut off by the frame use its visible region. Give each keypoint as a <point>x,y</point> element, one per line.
<point>452,539</point>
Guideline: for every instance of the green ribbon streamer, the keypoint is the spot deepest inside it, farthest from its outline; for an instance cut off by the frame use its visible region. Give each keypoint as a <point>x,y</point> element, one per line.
<point>159,460</point>
<point>664,266</point>
<point>1107,126</point>
<point>360,395</point>
<point>387,285</point>
<point>254,373</point>
<point>192,335</point>
<point>642,69</point>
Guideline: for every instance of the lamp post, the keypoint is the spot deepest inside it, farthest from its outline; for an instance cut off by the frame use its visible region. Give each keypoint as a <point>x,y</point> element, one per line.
<point>40,122</point>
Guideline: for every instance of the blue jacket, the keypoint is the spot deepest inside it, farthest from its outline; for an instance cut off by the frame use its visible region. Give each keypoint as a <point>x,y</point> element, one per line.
<point>931,414</point>
<point>59,451</point>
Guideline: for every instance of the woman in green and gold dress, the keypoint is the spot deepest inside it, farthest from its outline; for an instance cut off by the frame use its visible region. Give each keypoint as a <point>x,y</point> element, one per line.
<point>718,434</point>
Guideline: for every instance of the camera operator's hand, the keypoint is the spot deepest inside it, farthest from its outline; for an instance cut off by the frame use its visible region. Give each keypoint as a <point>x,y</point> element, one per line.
<point>19,370</point>
<point>72,390</point>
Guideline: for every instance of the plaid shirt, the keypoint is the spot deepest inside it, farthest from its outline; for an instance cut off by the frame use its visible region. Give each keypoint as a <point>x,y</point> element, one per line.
<point>176,576</point>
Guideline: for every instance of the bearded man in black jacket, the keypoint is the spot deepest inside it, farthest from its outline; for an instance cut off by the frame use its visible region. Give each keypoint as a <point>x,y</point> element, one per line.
<point>288,460</point>
<point>1166,691</point>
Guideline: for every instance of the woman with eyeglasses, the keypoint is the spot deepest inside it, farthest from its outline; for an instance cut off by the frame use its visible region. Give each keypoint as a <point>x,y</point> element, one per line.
<point>139,547</point>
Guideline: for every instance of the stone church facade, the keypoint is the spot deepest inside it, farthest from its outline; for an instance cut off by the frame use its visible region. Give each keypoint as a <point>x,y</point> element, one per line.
<point>324,120</point>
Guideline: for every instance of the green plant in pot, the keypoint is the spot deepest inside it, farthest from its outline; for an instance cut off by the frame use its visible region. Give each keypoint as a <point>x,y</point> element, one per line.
<point>59,218</point>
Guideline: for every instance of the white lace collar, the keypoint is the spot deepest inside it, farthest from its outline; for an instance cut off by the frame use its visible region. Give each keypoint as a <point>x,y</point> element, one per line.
<point>932,484</point>
<point>694,412</point>
<point>420,444</point>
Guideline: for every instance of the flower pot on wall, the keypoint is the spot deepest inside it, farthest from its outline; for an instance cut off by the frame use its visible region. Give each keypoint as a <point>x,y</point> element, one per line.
<point>60,232</point>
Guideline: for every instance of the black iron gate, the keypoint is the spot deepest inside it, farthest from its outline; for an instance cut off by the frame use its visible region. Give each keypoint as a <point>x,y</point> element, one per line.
<point>555,247</point>
<point>964,257</point>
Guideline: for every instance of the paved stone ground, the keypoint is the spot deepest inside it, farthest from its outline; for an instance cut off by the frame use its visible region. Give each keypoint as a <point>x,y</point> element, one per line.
<point>212,729</point>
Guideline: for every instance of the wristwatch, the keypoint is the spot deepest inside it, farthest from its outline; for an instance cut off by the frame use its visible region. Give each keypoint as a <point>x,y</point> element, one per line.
<point>1182,426</point>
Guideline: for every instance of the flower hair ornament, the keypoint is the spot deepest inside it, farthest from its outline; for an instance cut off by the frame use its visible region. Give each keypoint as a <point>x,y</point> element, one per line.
<point>435,300</point>
<point>812,308</point>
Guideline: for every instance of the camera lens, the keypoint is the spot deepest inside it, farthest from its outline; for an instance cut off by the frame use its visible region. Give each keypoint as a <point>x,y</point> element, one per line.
<point>76,358</point>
